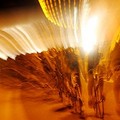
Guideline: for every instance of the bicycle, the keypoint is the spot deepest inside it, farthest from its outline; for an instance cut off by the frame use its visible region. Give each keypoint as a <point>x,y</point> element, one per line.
<point>95,89</point>
<point>98,96</point>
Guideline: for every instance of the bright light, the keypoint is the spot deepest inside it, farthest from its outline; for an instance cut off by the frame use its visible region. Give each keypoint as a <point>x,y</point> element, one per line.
<point>3,56</point>
<point>89,34</point>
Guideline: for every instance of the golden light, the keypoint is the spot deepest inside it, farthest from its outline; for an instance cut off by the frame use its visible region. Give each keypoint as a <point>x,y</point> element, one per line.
<point>73,14</point>
<point>89,34</point>
<point>77,15</point>
<point>61,12</point>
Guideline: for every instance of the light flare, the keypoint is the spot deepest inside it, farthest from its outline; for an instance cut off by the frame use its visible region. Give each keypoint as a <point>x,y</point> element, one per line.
<point>89,34</point>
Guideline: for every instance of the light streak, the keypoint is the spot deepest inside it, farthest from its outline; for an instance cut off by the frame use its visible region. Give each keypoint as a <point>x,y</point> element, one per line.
<point>89,25</point>
<point>10,40</point>
<point>89,38</point>
<point>39,36</point>
<point>3,56</point>
<point>75,25</point>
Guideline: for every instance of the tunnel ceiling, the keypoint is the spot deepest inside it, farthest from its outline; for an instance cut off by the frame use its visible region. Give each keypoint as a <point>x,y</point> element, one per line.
<point>30,27</point>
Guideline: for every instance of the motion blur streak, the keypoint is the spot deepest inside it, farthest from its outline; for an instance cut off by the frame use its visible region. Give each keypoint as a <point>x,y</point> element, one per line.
<point>38,34</point>
<point>3,56</point>
<point>34,37</point>
<point>10,40</point>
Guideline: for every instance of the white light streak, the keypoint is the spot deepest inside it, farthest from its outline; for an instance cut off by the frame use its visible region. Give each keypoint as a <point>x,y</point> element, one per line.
<point>89,26</point>
<point>3,56</point>
<point>89,34</point>
<point>75,25</point>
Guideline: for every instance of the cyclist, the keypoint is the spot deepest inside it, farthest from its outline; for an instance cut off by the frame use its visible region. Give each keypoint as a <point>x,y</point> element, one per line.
<point>76,92</point>
<point>93,61</point>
